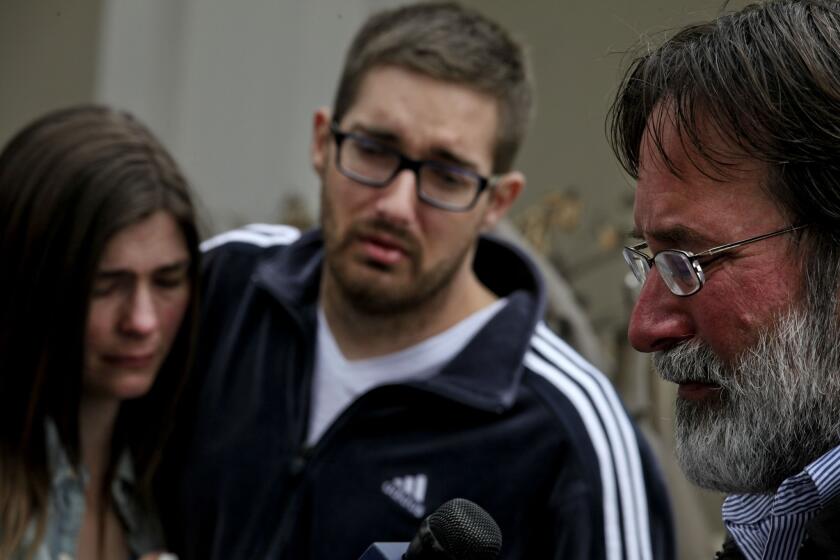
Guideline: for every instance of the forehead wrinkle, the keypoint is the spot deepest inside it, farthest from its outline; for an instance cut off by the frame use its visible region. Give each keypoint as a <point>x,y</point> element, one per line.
<point>676,235</point>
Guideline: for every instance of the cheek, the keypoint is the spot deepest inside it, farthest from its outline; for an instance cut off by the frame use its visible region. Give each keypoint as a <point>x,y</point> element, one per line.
<point>445,234</point>
<point>347,195</point>
<point>101,325</point>
<point>343,202</point>
<point>171,315</point>
<point>734,311</point>
<point>724,319</point>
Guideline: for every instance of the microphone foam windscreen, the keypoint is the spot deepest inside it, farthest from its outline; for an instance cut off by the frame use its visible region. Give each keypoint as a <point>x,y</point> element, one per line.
<point>466,531</point>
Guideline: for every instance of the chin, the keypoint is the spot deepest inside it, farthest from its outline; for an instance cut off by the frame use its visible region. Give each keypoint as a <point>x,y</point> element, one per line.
<point>124,386</point>
<point>132,392</point>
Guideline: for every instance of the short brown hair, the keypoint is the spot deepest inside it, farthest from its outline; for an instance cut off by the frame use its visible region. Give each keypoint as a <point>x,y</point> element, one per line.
<point>451,43</point>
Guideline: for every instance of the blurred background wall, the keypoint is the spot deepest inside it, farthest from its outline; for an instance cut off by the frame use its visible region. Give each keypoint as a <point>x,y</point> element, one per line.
<point>230,88</point>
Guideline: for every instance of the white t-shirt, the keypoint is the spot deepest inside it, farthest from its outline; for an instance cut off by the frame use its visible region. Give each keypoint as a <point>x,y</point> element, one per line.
<point>337,381</point>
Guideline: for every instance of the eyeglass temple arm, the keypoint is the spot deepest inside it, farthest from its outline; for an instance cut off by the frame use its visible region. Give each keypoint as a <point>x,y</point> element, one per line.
<point>729,246</point>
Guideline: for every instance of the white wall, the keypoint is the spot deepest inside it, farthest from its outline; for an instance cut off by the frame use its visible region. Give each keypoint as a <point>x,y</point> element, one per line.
<point>48,51</point>
<point>231,88</point>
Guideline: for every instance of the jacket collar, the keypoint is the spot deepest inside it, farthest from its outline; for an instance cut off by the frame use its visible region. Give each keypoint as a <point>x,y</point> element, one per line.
<point>487,372</point>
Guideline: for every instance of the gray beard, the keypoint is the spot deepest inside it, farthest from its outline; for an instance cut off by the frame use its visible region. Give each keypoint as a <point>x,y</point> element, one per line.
<point>779,408</point>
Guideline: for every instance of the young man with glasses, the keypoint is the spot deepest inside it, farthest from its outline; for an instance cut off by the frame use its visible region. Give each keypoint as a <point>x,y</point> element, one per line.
<point>355,379</point>
<point>732,130</point>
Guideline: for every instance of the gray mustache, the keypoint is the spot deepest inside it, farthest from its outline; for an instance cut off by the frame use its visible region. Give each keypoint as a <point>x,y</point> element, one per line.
<point>691,361</point>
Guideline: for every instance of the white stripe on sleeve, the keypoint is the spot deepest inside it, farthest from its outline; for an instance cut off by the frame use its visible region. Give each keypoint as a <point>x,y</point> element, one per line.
<point>622,452</point>
<point>262,235</point>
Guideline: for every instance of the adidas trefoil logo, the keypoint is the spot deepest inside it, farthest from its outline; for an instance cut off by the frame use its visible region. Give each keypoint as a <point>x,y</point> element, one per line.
<point>409,492</point>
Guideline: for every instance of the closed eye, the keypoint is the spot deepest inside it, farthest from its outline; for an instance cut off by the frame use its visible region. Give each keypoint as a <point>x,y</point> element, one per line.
<point>172,276</point>
<point>108,283</point>
<point>170,281</point>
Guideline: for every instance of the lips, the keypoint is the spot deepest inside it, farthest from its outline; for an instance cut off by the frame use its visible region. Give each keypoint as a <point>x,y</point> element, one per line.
<point>698,390</point>
<point>130,360</point>
<point>383,249</point>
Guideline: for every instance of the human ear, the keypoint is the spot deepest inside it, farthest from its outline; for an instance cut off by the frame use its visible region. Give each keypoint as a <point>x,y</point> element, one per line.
<point>502,196</point>
<point>320,147</point>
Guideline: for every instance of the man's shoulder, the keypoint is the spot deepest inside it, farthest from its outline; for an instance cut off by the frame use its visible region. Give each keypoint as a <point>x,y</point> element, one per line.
<point>231,260</point>
<point>588,412</point>
<point>551,358</point>
<point>591,415</point>
<point>251,238</point>
<point>585,406</point>
<point>238,251</point>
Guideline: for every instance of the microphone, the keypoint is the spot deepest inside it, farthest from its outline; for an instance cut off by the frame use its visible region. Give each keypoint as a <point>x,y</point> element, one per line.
<point>457,530</point>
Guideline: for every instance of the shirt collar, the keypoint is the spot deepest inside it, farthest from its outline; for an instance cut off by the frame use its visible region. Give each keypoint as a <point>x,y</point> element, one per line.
<point>142,529</point>
<point>58,463</point>
<point>61,468</point>
<point>774,525</point>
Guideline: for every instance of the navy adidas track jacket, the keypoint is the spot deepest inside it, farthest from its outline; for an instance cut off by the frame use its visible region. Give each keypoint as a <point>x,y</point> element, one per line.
<point>518,422</point>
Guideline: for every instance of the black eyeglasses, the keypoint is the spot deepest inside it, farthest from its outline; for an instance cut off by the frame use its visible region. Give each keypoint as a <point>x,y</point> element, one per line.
<point>375,164</point>
<point>681,270</point>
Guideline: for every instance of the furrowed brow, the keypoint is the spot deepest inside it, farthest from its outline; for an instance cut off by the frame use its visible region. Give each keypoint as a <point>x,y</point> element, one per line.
<point>635,235</point>
<point>177,266</point>
<point>450,157</point>
<point>439,153</point>
<point>109,273</point>
<point>676,236</point>
<point>380,134</point>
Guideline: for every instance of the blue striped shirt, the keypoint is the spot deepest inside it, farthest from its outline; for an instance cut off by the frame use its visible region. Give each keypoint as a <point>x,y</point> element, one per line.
<point>773,525</point>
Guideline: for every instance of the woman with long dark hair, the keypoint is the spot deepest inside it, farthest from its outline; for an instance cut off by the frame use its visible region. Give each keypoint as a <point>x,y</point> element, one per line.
<point>99,253</point>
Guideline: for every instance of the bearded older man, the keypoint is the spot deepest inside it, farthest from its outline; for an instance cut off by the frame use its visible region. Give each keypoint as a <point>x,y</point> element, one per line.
<point>732,130</point>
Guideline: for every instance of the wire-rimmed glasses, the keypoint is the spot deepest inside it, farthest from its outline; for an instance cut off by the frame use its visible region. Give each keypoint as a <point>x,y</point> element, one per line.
<point>375,164</point>
<point>681,270</point>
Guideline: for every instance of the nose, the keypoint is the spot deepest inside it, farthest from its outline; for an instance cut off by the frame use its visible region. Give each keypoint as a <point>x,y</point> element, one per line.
<point>660,320</point>
<point>140,316</point>
<point>397,201</point>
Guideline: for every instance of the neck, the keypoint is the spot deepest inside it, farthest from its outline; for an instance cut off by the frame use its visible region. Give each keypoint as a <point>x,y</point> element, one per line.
<point>101,534</point>
<point>360,334</point>
<point>97,417</point>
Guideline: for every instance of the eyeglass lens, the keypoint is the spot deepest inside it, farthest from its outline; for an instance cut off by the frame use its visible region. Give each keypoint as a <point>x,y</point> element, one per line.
<point>638,265</point>
<point>675,268</point>
<point>372,163</point>
<point>368,160</point>
<point>677,272</point>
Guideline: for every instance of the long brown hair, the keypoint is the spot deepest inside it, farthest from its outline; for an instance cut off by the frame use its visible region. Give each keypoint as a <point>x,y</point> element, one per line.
<point>68,182</point>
